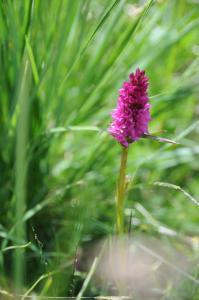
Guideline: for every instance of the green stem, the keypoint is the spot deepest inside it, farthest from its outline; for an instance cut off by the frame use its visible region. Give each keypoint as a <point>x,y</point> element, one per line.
<point>121,192</point>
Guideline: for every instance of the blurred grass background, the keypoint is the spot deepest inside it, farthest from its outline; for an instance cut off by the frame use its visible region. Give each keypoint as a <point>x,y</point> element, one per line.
<point>62,63</point>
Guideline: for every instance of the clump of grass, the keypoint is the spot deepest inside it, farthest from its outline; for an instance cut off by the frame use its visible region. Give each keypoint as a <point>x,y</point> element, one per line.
<point>62,63</point>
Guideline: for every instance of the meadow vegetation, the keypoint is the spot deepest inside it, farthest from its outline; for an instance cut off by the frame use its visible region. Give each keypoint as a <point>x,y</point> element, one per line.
<point>62,63</point>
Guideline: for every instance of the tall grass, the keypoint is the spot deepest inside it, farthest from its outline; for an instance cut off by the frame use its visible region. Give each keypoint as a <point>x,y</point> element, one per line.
<point>62,63</point>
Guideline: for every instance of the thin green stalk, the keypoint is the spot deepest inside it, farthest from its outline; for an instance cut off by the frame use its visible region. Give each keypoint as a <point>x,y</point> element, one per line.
<point>21,170</point>
<point>88,278</point>
<point>121,192</point>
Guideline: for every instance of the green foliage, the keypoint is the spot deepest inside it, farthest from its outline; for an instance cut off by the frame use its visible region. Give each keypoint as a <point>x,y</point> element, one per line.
<point>62,63</point>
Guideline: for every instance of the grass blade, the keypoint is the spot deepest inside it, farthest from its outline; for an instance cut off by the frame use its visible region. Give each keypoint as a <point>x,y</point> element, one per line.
<point>176,187</point>
<point>21,167</point>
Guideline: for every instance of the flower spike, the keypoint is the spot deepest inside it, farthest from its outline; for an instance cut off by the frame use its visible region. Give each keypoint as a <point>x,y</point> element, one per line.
<point>132,114</point>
